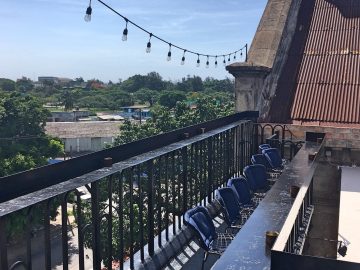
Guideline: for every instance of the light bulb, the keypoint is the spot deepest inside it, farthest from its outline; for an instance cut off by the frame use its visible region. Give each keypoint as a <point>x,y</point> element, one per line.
<point>125,33</point>
<point>241,54</point>
<point>169,53</point>
<point>183,60</point>
<point>169,56</point>
<point>148,47</point>
<point>229,58</point>
<point>198,63</point>
<point>216,62</point>
<point>87,17</point>
<point>224,62</point>
<point>207,62</point>
<point>234,56</point>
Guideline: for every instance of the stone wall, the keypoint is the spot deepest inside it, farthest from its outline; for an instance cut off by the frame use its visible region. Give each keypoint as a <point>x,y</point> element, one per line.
<point>250,76</point>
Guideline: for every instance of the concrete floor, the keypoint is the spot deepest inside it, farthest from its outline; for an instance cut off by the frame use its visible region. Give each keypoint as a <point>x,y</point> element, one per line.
<point>324,222</point>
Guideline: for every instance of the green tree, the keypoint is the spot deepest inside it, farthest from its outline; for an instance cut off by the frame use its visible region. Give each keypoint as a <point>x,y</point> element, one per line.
<point>23,146</point>
<point>68,100</point>
<point>146,95</point>
<point>23,143</point>
<point>7,85</point>
<point>24,85</point>
<point>170,98</point>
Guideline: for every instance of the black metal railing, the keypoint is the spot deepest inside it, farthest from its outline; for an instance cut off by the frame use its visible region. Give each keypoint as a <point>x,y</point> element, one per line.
<point>279,136</point>
<point>129,207</point>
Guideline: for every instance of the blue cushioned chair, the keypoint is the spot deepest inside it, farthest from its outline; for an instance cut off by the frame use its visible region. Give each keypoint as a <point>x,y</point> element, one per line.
<point>274,158</point>
<point>260,159</point>
<point>264,146</point>
<point>199,220</point>
<point>257,177</point>
<point>230,206</point>
<point>242,190</point>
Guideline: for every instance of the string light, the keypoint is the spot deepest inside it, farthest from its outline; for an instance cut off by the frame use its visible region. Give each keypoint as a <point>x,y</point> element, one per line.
<point>125,32</point>
<point>169,53</point>
<point>88,12</point>
<point>148,46</point>
<point>183,58</point>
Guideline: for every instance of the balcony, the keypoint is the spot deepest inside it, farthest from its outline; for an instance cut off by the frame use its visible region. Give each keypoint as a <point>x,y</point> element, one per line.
<point>122,208</point>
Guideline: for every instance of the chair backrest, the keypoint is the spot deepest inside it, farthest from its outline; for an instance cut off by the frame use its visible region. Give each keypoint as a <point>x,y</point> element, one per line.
<point>199,220</point>
<point>230,203</point>
<point>241,188</point>
<point>256,176</point>
<point>273,157</point>
<point>260,159</point>
<point>264,146</point>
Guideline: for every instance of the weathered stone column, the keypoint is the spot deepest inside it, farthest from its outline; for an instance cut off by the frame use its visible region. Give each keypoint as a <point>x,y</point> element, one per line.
<point>249,81</point>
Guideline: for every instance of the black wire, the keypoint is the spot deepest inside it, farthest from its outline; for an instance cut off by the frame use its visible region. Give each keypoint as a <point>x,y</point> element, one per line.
<point>163,40</point>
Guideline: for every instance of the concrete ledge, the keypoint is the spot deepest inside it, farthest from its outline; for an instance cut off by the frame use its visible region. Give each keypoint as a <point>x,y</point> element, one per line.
<point>246,69</point>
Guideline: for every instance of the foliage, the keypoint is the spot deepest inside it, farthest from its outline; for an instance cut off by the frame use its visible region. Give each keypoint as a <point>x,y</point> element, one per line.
<point>68,100</point>
<point>144,95</point>
<point>23,145</point>
<point>164,120</point>
<point>7,85</point>
<point>170,98</point>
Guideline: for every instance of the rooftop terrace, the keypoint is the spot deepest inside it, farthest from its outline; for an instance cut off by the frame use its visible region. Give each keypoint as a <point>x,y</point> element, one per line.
<point>122,208</point>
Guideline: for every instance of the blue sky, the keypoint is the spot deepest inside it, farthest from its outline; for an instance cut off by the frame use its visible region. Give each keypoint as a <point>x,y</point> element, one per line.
<point>51,38</point>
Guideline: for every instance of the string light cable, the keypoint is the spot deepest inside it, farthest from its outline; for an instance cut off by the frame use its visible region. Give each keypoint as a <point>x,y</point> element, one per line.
<point>87,18</point>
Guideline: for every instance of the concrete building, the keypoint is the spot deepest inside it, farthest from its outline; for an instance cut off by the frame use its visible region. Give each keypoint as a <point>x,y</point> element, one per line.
<point>80,137</point>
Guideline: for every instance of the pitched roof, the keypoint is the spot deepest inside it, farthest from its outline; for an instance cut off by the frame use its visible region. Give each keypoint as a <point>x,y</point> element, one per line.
<point>328,84</point>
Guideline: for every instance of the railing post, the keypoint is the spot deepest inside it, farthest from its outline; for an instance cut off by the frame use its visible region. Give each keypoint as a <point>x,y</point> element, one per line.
<point>3,248</point>
<point>28,238</point>
<point>184,155</point>
<point>210,169</point>
<point>96,225</point>
<point>47,236</point>
<point>150,187</point>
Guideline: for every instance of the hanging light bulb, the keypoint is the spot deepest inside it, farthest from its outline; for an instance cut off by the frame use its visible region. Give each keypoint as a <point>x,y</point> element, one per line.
<point>234,56</point>
<point>229,58</point>
<point>207,62</point>
<point>216,62</point>
<point>87,17</point>
<point>148,46</point>
<point>183,58</point>
<point>198,61</point>
<point>241,54</point>
<point>125,32</point>
<point>169,53</point>
<point>224,62</point>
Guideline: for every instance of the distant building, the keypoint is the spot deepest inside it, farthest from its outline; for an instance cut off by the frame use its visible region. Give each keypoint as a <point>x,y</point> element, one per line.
<point>84,136</point>
<point>134,112</point>
<point>71,116</point>
<point>55,80</point>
